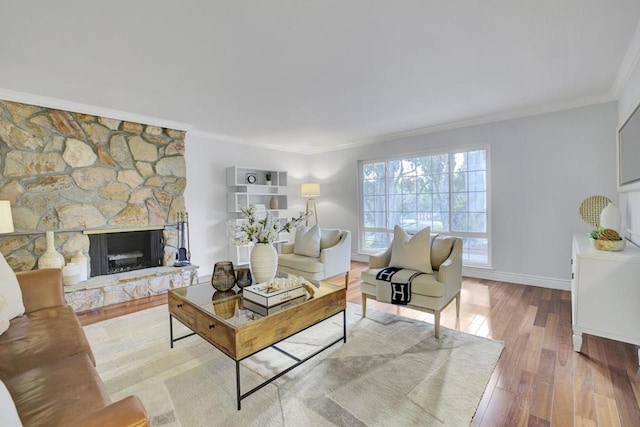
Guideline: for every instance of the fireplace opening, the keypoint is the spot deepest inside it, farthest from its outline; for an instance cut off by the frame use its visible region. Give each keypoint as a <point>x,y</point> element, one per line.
<point>118,252</point>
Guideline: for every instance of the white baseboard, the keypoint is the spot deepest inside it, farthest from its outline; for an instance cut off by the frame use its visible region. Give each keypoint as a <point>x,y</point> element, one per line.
<point>522,279</point>
<point>501,276</point>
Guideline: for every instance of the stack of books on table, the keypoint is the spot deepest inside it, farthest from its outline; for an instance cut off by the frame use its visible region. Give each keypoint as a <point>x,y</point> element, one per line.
<point>270,297</point>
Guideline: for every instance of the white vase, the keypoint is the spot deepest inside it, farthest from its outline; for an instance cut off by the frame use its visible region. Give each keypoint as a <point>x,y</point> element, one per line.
<point>51,258</point>
<point>70,274</point>
<point>273,203</point>
<point>264,262</point>
<point>610,217</point>
<point>81,261</point>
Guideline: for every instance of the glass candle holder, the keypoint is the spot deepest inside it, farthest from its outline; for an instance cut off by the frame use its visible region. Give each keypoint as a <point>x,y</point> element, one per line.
<point>224,277</point>
<point>243,277</point>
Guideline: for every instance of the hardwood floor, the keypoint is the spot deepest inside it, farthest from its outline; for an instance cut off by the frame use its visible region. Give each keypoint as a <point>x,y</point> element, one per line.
<point>539,379</point>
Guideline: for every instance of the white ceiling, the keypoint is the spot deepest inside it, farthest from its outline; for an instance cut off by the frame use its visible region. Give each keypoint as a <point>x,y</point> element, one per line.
<point>310,76</point>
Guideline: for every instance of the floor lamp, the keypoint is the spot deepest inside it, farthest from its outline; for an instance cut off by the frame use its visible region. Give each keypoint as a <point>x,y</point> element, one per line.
<point>311,190</point>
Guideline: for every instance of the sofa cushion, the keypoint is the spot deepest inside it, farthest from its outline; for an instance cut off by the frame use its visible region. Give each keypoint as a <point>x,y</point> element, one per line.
<point>440,251</point>
<point>39,337</point>
<point>307,241</point>
<point>412,252</point>
<point>300,262</point>
<point>58,393</point>
<point>10,289</point>
<point>329,238</point>
<point>424,284</point>
<point>8,412</point>
<point>4,315</point>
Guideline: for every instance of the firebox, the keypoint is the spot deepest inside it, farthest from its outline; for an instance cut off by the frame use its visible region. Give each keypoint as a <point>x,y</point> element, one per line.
<point>117,252</point>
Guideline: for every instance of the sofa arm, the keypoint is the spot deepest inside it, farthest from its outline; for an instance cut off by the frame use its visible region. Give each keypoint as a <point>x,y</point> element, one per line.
<point>450,271</point>
<point>41,288</point>
<point>380,260</point>
<point>127,412</point>
<point>286,248</point>
<point>337,258</point>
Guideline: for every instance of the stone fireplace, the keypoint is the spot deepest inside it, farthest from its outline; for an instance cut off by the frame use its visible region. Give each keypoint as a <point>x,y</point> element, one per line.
<point>76,174</point>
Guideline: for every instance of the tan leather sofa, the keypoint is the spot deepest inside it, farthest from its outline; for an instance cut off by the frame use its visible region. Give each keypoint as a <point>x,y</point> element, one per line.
<point>48,367</point>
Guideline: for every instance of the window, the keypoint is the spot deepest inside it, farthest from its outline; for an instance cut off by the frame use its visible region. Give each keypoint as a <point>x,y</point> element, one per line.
<point>447,192</point>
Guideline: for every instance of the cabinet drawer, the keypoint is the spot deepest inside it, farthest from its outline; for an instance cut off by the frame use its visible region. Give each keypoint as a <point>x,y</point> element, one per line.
<point>183,312</point>
<point>217,333</point>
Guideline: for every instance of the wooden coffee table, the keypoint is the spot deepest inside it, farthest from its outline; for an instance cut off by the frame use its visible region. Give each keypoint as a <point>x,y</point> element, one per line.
<point>221,319</point>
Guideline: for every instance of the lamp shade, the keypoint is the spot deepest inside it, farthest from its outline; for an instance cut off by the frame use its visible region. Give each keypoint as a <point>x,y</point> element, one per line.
<point>6,220</point>
<point>310,189</point>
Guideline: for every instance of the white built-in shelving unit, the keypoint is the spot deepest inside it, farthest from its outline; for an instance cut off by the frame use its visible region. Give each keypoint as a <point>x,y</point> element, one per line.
<point>249,186</point>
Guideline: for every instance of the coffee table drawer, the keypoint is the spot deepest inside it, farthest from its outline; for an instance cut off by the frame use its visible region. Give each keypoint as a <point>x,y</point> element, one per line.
<point>216,332</point>
<point>183,312</point>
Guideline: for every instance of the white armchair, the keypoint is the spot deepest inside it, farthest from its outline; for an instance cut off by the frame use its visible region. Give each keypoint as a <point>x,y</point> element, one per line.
<point>334,259</point>
<point>429,292</point>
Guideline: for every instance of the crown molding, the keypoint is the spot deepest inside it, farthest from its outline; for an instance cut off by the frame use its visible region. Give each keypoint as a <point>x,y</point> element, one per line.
<point>62,104</point>
<point>56,103</point>
<point>629,63</point>
<point>516,114</point>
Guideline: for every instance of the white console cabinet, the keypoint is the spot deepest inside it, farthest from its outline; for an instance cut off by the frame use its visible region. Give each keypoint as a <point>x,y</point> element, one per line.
<point>605,293</point>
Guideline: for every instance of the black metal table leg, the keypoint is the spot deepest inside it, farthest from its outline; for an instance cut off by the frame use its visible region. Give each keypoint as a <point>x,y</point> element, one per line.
<point>238,394</point>
<point>171,328</point>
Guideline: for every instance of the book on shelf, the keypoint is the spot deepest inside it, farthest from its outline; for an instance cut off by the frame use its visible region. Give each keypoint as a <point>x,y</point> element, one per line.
<point>268,296</point>
<point>265,311</point>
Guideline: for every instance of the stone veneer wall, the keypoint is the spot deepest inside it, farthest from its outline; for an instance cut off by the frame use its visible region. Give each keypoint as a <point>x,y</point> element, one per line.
<point>70,172</point>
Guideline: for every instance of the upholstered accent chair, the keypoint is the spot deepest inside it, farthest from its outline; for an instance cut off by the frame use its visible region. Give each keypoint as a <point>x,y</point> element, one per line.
<point>430,293</point>
<point>318,254</point>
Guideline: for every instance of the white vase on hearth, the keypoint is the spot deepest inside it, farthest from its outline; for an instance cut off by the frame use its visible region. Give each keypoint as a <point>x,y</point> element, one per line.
<point>264,262</point>
<point>51,258</point>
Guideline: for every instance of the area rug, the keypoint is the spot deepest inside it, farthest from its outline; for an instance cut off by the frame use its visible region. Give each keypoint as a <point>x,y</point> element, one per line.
<point>391,371</point>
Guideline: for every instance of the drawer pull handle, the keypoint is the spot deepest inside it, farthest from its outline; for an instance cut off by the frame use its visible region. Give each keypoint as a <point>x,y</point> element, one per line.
<point>212,326</point>
<point>179,306</point>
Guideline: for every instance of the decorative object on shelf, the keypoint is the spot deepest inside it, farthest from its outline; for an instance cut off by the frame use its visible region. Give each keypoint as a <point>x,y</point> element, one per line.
<point>273,203</point>
<point>224,277</point>
<point>264,262</point>
<point>267,178</point>
<point>607,239</point>
<point>6,220</point>
<point>51,258</point>
<point>310,190</point>
<point>183,256</point>
<point>591,208</point>
<point>82,262</point>
<point>610,217</point>
<point>251,178</point>
<point>243,277</point>
<point>224,303</point>
<point>70,274</point>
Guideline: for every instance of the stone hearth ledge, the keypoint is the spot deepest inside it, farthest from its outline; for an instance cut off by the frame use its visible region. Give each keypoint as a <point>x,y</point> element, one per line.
<point>110,289</point>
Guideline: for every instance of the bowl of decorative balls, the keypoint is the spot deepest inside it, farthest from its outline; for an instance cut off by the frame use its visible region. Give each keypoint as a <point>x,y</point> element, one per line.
<point>607,239</point>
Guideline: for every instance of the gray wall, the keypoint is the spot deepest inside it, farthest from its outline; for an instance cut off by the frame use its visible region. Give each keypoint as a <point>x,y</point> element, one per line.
<point>206,193</point>
<point>542,168</point>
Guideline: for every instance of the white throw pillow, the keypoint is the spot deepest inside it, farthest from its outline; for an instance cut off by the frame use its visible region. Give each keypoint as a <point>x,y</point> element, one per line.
<point>10,289</point>
<point>307,241</point>
<point>4,315</point>
<point>412,252</point>
<point>8,412</point>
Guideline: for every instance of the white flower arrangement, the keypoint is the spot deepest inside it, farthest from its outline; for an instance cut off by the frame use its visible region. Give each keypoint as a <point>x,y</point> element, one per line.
<point>254,230</point>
